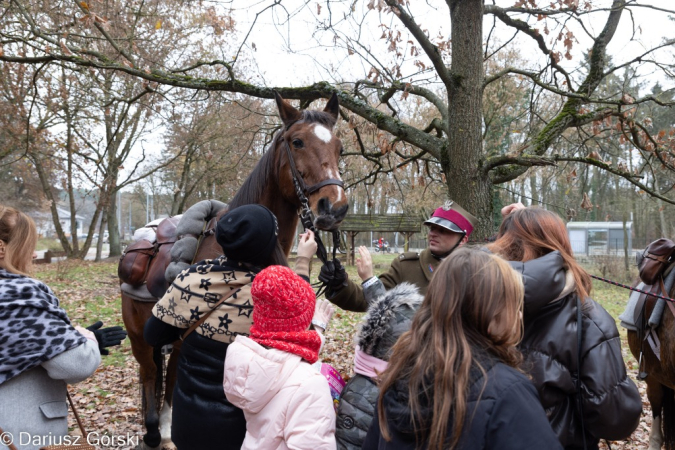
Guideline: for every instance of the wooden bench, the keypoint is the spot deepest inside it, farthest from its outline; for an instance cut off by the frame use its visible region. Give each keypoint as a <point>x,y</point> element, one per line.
<point>353,224</point>
<point>49,254</point>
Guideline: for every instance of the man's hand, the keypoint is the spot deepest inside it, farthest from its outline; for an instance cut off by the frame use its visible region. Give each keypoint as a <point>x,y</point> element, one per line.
<point>364,264</point>
<point>334,276</point>
<point>107,337</point>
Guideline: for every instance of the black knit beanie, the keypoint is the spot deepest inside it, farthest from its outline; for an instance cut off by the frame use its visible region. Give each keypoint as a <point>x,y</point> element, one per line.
<point>248,234</point>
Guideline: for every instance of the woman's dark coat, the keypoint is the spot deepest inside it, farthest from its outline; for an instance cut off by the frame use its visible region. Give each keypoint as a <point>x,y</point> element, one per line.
<point>611,401</point>
<point>202,417</point>
<point>503,413</point>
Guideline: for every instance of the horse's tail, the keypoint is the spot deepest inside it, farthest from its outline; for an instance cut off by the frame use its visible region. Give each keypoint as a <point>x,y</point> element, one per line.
<point>158,359</point>
<point>668,418</point>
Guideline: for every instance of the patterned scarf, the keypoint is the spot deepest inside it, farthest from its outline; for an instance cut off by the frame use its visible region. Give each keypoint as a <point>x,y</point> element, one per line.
<point>33,328</point>
<point>196,289</point>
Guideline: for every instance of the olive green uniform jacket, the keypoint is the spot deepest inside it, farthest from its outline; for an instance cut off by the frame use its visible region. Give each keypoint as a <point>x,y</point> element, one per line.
<point>413,267</point>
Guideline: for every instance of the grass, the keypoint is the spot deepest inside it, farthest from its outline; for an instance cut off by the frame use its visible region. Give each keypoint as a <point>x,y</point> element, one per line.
<point>48,244</point>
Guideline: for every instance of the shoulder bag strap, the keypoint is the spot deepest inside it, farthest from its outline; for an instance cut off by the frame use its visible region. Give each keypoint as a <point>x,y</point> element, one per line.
<point>579,398</point>
<point>208,313</point>
<point>77,416</point>
<point>7,440</point>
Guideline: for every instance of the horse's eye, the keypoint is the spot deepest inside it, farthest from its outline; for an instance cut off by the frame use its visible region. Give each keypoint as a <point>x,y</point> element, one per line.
<point>342,150</point>
<point>297,143</point>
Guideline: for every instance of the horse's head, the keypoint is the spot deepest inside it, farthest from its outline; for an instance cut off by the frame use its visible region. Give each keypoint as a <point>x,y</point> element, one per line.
<point>315,152</point>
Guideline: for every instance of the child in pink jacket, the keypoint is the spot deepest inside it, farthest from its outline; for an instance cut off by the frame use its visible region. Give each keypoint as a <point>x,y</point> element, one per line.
<point>286,402</point>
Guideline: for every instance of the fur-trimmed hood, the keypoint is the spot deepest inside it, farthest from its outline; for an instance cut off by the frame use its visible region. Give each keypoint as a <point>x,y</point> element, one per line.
<point>387,319</point>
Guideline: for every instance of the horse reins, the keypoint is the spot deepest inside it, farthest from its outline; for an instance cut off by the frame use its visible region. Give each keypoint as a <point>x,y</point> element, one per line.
<point>633,288</point>
<point>305,212</point>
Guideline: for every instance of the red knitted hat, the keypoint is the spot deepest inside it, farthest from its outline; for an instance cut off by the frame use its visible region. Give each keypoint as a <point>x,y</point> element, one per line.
<point>283,307</point>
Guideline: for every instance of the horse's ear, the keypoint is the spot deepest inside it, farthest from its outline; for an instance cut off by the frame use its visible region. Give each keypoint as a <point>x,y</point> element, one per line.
<point>287,112</point>
<point>333,106</point>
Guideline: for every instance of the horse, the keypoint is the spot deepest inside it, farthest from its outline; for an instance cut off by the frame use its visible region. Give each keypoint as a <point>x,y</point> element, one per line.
<point>660,376</point>
<point>298,172</point>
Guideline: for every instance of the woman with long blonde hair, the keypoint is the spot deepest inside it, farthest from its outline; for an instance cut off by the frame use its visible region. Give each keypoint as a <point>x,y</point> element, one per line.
<point>452,380</point>
<point>40,350</point>
<point>571,344</point>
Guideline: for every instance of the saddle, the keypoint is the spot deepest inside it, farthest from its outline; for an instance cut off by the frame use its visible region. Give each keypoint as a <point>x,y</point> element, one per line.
<point>140,262</point>
<point>144,264</point>
<point>657,272</point>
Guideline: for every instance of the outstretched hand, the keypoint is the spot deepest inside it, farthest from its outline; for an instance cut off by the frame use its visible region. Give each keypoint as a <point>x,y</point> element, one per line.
<point>323,313</point>
<point>364,264</point>
<point>107,337</point>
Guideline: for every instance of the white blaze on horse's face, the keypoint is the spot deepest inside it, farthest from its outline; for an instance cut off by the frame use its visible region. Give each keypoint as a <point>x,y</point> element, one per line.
<point>340,190</point>
<point>326,136</point>
<point>323,133</point>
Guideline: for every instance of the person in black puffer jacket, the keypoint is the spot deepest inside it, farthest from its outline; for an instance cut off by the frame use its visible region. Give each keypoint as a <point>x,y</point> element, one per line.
<point>556,287</point>
<point>452,380</point>
<point>389,316</point>
<point>202,417</point>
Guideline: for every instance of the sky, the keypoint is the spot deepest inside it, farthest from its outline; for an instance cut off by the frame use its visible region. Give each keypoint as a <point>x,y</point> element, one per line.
<point>273,36</point>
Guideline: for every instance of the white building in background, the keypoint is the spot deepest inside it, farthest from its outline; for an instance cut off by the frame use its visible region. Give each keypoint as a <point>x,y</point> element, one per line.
<point>45,224</point>
<point>599,238</point>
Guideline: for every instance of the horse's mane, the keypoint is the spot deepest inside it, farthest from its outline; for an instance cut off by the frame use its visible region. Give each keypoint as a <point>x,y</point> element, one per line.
<point>253,187</point>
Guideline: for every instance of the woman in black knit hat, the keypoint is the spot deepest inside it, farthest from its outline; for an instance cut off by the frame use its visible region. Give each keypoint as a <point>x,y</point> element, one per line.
<point>202,418</point>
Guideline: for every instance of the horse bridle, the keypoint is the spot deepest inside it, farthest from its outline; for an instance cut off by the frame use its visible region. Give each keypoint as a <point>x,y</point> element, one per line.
<point>303,191</point>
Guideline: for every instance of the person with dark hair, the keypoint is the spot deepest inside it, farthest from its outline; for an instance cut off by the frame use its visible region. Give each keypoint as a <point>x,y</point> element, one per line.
<point>571,344</point>
<point>449,227</point>
<point>269,375</point>
<point>41,351</point>
<point>201,412</point>
<point>452,381</point>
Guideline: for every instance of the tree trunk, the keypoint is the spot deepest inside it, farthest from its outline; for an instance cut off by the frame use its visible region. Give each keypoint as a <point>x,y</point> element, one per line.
<point>113,227</point>
<point>99,243</point>
<point>467,183</point>
<point>69,183</point>
<point>533,188</point>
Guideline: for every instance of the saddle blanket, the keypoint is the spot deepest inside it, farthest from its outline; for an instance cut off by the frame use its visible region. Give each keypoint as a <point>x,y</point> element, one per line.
<point>627,317</point>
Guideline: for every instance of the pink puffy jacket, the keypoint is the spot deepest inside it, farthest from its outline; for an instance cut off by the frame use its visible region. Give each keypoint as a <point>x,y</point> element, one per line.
<point>287,402</point>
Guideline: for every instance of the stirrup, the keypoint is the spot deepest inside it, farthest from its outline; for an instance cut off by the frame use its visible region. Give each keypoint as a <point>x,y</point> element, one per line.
<point>641,375</point>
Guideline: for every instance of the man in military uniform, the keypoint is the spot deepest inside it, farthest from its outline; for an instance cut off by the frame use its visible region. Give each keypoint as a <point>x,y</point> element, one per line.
<point>449,227</point>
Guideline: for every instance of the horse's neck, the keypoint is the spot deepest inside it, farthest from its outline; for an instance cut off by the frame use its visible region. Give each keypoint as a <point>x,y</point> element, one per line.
<point>286,213</point>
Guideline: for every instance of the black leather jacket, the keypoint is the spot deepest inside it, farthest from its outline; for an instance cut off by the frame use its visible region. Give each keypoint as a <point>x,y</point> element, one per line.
<point>611,402</point>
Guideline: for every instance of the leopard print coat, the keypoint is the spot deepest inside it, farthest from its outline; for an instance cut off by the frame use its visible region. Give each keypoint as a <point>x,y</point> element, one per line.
<point>33,327</point>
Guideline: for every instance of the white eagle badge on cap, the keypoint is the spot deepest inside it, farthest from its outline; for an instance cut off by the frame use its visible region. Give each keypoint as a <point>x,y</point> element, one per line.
<point>448,205</point>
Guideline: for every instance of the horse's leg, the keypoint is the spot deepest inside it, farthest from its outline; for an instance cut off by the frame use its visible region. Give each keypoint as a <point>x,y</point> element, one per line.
<point>165,413</point>
<point>668,418</point>
<point>134,318</point>
<point>655,396</point>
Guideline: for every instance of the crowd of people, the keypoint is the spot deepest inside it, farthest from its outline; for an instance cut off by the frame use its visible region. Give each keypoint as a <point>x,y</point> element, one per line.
<point>496,346</point>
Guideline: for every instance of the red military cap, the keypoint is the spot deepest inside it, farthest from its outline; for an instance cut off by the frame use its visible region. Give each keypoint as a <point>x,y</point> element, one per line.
<point>454,218</point>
